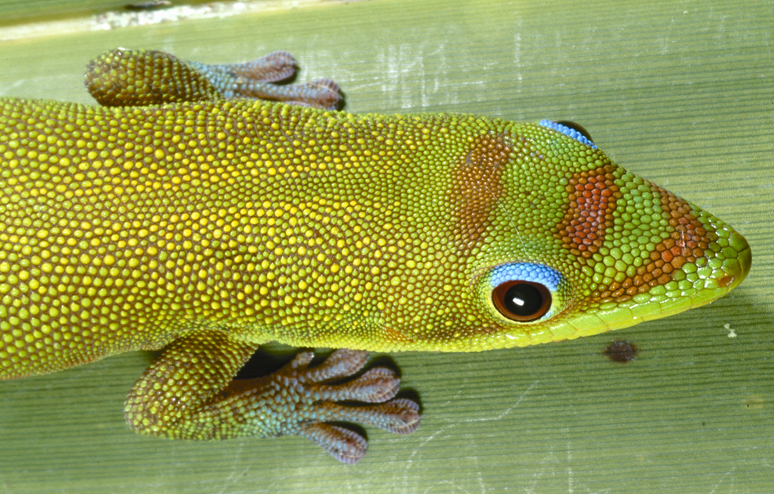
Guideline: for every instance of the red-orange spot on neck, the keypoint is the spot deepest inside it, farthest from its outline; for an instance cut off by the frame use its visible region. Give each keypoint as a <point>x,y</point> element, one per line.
<point>590,211</point>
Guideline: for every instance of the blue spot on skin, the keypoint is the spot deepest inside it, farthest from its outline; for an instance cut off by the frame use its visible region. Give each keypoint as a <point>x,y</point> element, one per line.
<point>525,271</point>
<point>567,131</point>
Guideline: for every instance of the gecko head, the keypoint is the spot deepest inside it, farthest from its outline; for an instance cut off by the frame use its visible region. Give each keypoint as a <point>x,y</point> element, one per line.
<point>571,245</point>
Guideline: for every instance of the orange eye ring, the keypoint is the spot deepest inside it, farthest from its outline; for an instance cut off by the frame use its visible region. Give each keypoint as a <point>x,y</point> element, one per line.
<point>522,301</point>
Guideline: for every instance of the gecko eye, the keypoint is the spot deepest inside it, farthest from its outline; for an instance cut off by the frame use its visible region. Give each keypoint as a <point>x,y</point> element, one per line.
<point>522,301</point>
<point>570,129</point>
<point>577,128</point>
<point>525,292</point>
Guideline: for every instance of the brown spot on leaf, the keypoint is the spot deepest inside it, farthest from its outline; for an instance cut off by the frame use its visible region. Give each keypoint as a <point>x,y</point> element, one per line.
<point>621,351</point>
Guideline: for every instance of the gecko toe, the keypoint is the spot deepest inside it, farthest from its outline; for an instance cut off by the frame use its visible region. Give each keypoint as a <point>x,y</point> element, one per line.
<point>399,416</point>
<point>375,386</point>
<point>343,444</point>
<point>341,363</point>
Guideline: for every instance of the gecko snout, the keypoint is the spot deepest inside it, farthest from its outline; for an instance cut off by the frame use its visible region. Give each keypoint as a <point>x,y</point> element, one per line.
<point>737,261</point>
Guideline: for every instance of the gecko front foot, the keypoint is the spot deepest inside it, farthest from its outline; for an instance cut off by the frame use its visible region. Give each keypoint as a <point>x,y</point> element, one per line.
<point>189,392</point>
<point>306,400</point>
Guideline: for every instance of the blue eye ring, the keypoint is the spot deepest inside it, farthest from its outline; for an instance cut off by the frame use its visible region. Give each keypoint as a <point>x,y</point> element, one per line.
<point>570,129</point>
<point>577,128</point>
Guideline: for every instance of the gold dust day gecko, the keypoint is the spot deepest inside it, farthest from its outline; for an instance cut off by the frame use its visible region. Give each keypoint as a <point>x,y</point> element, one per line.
<point>190,215</point>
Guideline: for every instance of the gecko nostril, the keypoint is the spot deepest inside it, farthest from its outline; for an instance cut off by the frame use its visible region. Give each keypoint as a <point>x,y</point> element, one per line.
<point>738,261</point>
<point>726,280</point>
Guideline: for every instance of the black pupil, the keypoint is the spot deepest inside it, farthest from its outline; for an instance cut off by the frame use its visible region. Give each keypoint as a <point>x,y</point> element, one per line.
<point>523,300</point>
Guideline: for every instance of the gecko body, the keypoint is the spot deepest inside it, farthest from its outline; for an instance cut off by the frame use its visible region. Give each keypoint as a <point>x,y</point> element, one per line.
<point>208,228</point>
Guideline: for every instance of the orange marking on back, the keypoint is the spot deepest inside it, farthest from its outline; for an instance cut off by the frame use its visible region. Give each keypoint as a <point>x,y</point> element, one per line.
<point>477,187</point>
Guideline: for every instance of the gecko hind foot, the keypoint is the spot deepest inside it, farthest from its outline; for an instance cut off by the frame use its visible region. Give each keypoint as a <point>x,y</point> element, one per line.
<point>159,77</point>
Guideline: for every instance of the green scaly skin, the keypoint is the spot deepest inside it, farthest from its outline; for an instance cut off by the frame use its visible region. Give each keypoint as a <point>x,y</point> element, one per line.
<point>209,228</point>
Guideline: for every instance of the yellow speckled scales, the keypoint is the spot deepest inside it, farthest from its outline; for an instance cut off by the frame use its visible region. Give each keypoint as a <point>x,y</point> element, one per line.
<point>208,228</point>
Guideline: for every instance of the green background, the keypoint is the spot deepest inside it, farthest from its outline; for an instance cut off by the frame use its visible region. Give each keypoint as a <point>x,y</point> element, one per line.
<point>678,92</point>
